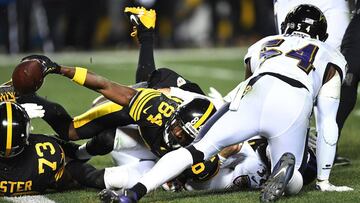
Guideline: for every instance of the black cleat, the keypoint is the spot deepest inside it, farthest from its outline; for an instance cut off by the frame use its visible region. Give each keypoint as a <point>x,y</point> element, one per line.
<point>109,196</point>
<point>275,185</point>
<point>121,196</point>
<point>142,19</point>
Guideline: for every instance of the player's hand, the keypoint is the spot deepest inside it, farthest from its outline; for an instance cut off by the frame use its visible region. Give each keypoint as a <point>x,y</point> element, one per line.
<point>34,110</point>
<point>326,186</point>
<point>48,65</point>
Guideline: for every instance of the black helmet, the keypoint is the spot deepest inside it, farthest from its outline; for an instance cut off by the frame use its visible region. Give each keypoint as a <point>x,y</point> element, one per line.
<point>307,19</point>
<point>14,129</point>
<point>187,120</point>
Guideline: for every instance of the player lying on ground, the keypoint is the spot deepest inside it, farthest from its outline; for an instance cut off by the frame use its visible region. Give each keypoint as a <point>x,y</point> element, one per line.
<point>30,163</point>
<point>293,70</point>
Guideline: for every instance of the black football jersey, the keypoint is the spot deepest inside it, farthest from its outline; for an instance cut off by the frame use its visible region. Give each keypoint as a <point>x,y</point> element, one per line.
<point>151,110</point>
<point>7,93</point>
<point>37,168</point>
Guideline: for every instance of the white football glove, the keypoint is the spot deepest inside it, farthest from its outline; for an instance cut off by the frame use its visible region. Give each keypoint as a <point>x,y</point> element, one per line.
<point>326,186</point>
<point>214,93</point>
<point>34,110</point>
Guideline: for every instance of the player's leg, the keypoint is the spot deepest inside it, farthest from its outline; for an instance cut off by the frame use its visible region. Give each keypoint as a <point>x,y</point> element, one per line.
<point>118,139</point>
<point>127,175</point>
<point>144,22</point>
<point>85,174</point>
<point>287,129</point>
<point>97,119</point>
<point>225,128</point>
<point>348,97</point>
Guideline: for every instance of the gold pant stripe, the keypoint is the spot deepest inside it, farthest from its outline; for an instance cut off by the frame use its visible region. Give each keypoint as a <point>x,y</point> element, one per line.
<point>96,112</point>
<point>9,129</point>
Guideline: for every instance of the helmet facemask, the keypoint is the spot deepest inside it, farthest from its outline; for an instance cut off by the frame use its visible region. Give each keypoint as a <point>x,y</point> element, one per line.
<point>186,122</point>
<point>179,134</point>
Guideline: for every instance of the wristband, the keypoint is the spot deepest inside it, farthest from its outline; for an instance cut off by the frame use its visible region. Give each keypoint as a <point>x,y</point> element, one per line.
<point>80,75</point>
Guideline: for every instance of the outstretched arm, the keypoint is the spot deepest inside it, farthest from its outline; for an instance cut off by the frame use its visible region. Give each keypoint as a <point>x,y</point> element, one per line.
<point>113,91</point>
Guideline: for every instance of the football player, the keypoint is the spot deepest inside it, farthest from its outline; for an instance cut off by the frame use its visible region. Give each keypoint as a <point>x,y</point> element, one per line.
<point>240,165</point>
<point>349,88</point>
<point>29,163</point>
<point>337,15</point>
<point>276,102</point>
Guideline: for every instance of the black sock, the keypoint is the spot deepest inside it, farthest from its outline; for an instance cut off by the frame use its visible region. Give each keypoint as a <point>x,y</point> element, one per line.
<point>347,99</point>
<point>146,63</point>
<point>102,143</point>
<point>86,174</point>
<point>140,190</point>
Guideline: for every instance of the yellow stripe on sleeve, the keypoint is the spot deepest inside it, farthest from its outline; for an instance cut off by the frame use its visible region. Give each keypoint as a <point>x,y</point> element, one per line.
<point>141,100</point>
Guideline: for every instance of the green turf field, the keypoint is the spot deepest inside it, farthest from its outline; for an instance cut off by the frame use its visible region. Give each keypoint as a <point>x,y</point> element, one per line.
<point>221,68</point>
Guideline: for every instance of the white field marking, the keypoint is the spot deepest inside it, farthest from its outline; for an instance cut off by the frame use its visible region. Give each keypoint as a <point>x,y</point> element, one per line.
<point>31,198</point>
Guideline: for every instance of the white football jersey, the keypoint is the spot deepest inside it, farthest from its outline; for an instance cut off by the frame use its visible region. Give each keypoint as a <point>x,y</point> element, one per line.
<point>301,58</point>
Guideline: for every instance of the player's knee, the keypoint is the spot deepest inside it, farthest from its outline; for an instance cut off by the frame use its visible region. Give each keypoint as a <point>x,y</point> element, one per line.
<point>198,156</point>
<point>102,144</point>
<point>295,184</point>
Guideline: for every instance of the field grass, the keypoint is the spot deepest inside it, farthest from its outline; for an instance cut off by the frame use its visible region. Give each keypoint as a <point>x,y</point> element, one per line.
<point>221,68</point>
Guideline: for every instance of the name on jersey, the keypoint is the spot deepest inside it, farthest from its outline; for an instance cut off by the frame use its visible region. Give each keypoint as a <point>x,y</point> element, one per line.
<point>7,96</point>
<point>15,186</point>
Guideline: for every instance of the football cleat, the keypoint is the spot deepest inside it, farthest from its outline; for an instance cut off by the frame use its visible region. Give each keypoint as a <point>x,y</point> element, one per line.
<point>326,186</point>
<point>141,18</point>
<point>275,185</point>
<point>122,196</point>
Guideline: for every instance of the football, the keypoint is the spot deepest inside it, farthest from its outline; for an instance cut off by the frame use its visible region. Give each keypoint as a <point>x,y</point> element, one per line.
<point>28,76</point>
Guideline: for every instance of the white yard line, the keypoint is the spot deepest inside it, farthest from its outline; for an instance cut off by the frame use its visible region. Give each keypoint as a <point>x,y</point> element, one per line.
<point>27,199</point>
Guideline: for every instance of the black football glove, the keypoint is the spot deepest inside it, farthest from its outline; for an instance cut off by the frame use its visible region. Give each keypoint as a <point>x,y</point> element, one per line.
<point>48,65</point>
